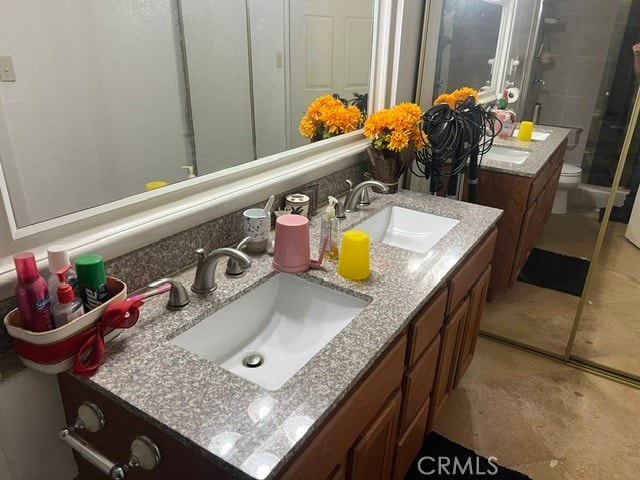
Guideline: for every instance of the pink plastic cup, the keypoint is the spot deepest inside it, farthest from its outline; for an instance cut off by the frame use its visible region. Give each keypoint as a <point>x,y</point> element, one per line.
<point>291,250</point>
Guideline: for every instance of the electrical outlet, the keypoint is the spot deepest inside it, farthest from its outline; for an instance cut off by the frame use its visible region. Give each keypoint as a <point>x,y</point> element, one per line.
<point>7,73</point>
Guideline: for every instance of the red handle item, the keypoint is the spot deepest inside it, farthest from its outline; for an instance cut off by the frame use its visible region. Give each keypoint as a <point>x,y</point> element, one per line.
<point>117,315</point>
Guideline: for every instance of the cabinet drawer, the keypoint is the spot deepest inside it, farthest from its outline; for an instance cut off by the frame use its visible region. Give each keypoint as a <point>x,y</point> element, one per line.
<point>426,326</point>
<point>418,383</point>
<point>539,183</point>
<point>410,443</point>
<point>466,276</point>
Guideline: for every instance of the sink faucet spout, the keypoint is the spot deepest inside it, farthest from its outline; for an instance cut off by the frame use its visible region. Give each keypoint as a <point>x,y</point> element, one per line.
<point>351,202</point>
<point>205,281</point>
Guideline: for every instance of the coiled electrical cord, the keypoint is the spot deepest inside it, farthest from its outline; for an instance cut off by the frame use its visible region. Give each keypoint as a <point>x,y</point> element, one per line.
<point>454,136</point>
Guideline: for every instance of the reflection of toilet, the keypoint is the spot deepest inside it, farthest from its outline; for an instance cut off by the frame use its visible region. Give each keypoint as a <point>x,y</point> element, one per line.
<point>569,178</point>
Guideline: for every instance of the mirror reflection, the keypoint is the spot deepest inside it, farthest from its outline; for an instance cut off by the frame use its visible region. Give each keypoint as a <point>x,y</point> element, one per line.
<point>467,46</point>
<point>608,333</point>
<point>581,77</point>
<point>130,96</point>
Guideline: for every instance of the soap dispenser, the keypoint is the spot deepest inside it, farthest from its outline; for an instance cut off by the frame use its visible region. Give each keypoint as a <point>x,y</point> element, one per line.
<point>330,228</point>
<point>68,307</point>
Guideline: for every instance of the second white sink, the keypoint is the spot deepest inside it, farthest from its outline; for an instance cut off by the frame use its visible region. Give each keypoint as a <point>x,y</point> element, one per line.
<point>509,155</point>
<point>281,324</point>
<point>407,229</point>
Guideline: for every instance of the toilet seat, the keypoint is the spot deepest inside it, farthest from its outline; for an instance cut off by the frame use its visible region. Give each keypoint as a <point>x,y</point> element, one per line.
<point>570,171</point>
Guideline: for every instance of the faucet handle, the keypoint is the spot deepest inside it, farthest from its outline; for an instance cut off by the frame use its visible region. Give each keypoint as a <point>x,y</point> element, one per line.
<point>178,296</point>
<point>350,182</point>
<point>363,201</point>
<point>201,253</point>
<point>234,270</point>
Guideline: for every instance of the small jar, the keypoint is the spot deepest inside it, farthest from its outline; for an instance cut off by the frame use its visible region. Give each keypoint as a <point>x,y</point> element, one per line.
<point>297,203</point>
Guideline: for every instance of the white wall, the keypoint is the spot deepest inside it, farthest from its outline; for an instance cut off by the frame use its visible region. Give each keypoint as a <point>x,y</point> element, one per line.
<point>31,416</point>
<point>98,96</point>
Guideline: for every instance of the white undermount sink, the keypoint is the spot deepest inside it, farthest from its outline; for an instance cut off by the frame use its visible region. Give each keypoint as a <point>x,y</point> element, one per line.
<point>509,155</point>
<point>407,229</point>
<point>536,136</point>
<point>282,323</point>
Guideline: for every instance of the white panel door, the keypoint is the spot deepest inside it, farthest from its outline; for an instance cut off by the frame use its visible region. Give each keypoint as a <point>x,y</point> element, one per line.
<point>633,229</point>
<point>330,52</point>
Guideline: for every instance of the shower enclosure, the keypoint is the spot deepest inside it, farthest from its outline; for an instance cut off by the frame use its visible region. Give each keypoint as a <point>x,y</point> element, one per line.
<point>581,76</point>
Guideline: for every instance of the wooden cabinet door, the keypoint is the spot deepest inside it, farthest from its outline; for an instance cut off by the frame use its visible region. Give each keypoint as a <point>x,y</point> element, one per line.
<point>447,360</point>
<point>339,472</point>
<point>526,234</point>
<point>372,455</point>
<point>477,297</point>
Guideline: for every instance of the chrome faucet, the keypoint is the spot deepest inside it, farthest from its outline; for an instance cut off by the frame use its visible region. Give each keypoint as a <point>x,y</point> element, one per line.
<point>234,270</point>
<point>205,280</point>
<point>355,195</point>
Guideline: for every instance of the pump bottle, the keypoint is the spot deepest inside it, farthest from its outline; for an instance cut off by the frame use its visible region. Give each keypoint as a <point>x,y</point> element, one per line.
<point>59,258</point>
<point>330,227</point>
<point>68,307</point>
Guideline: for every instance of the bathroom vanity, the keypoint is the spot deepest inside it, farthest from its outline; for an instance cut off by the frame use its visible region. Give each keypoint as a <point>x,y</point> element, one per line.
<point>525,191</point>
<point>358,409</point>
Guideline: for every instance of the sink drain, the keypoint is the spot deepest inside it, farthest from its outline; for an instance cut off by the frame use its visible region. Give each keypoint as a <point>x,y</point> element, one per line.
<point>253,360</point>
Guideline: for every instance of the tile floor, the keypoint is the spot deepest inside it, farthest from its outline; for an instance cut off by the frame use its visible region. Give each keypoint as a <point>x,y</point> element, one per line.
<point>544,418</point>
<point>609,331</point>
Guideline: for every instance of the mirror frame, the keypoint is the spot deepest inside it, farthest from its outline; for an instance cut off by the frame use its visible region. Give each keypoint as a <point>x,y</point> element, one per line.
<point>125,225</point>
<point>433,16</point>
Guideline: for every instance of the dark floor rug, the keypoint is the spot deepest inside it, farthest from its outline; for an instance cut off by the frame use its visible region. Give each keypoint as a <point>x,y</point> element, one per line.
<point>555,271</point>
<point>439,457</point>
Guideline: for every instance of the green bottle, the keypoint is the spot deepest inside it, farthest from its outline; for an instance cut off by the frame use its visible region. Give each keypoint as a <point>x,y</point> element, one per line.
<point>92,280</point>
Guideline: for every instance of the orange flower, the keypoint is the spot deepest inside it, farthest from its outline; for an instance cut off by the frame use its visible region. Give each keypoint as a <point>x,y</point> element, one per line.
<point>395,128</point>
<point>460,95</point>
<point>327,117</point>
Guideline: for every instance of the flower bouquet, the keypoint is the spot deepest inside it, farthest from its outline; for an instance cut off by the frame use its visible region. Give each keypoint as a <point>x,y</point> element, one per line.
<point>327,117</point>
<point>395,137</point>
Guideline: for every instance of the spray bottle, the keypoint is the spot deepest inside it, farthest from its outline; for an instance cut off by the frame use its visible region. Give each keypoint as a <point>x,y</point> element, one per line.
<point>32,294</point>
<point>330,227</point>
<point>68,307</point>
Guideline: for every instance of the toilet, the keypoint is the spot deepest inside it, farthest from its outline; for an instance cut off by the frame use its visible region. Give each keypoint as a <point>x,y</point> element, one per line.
<point>570,177</point>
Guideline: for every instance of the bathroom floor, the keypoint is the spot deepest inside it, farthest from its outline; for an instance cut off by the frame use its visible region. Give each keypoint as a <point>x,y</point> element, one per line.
<point>538,316</point>
<point>609,332</point>
<point>543,418</point>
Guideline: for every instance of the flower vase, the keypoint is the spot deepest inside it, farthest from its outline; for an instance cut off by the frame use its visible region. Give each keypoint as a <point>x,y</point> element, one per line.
<point>388,166</point>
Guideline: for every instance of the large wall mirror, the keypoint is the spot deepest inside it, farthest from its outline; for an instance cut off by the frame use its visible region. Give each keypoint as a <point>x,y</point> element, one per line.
<point>110,96</point>
<point>468,46</point>
<point>470,39</point>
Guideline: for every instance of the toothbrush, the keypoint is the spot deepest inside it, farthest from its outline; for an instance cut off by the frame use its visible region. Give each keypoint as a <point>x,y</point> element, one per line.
<point>150,293</point>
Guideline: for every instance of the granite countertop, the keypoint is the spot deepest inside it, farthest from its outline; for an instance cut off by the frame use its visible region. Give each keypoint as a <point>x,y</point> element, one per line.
<point>541,151</point>
<point>251,431</point>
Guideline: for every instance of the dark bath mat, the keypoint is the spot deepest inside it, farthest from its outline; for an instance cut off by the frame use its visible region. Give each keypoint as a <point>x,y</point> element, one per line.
<point>439,457</point>
<point>555,271</point>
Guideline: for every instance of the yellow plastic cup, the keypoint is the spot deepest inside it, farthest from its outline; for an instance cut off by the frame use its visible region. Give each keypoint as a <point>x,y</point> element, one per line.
<point>153,185</point>
<point>353,262</point>
<point>525,132</point>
